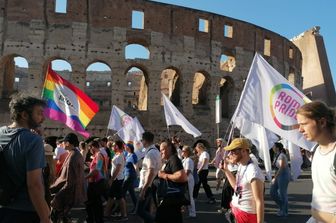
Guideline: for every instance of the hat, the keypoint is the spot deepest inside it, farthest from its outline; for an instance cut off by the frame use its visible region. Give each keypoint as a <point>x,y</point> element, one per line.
<point>72,139</point>
<point>48,150</point>
<point>241,143</point>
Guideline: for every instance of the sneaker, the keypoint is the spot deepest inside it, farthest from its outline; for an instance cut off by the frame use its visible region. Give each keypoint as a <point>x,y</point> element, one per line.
<point>121,219</point>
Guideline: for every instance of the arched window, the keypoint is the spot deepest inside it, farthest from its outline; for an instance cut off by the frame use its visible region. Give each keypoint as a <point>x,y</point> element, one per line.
<point>170,86</point>
<point>136,51</point>
<point>21,74</point>
<point>136,92</point>
<point>227,63</point>
<point>226,95</point>
<point>200,89</point>
<point>62,67</point>
<point>291,76</point>
<point>98,84</point>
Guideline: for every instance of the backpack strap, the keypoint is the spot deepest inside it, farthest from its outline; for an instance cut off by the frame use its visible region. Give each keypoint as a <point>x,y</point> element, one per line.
<point>4,146</point>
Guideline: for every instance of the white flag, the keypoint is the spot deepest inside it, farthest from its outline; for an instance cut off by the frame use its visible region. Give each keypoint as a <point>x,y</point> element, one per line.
<point>132,131</point>
<point>270,100</point>
<point>295,157</point>
<point>174,117</point>
<point>118,119</point>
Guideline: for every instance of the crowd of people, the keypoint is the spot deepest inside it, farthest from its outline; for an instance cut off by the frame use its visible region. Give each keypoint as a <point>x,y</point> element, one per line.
<point>162,178</point>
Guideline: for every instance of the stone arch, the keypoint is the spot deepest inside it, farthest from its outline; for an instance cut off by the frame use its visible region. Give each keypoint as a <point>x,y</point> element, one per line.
<point>13,77</point>
<point>226,88</point>
<point>137,50</point>
<point>201,87</point>
<point>136,89</point>
<point>56,65</point>
<point>98,83</point>
<point>170,84</point>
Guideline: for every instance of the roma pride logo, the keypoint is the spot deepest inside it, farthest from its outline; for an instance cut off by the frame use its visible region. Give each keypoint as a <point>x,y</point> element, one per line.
<point>284,102</point>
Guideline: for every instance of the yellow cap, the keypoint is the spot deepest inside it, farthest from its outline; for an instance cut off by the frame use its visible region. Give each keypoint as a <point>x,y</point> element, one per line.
<point>241,143</point>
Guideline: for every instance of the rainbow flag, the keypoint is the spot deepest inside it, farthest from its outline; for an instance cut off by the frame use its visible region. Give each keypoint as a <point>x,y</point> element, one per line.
<point>67,103</point>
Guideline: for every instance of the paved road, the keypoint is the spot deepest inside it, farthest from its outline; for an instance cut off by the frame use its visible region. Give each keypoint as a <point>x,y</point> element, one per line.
<point>299,205</point>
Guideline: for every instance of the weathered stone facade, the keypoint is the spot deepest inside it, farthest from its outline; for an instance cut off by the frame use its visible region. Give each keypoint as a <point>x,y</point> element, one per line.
<point>99,31</point>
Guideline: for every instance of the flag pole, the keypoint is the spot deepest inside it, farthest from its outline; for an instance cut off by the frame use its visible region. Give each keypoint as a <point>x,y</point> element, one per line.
<point>168,131</point>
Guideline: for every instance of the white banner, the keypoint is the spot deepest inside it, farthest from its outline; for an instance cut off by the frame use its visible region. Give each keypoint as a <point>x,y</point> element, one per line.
<point>118,119</point>
<point>174,117</point>
<point>132,131</point>
<point>269,100</point>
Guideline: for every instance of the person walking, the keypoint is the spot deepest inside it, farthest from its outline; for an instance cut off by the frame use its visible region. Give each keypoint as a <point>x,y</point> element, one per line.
<point>188,166</point>
<point>203,171</point>
<point>151,165</point>
<point>130,174</point>
<point>69,186</point>
<point>174,178</point>
<point>24,155</point>
<point>248,198</point>
<point>96,185</point>
<point>280,181</point>
<point>116,182</point>
<point>317,124</point>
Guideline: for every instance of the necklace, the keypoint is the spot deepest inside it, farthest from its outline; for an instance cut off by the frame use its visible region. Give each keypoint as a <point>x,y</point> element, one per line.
<point>329,151</point>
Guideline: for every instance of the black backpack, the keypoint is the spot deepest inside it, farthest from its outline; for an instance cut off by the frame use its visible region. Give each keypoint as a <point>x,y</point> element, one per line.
<point>8,187</point>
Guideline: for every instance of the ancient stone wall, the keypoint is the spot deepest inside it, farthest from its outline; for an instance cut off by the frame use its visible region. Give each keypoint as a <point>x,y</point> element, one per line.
<point>92,31</point>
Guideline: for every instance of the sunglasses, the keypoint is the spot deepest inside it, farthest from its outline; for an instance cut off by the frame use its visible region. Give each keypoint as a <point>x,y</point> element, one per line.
<point>235,151</point>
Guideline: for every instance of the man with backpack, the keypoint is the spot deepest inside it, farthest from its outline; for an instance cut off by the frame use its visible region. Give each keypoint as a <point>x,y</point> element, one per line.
<point>23,160</point>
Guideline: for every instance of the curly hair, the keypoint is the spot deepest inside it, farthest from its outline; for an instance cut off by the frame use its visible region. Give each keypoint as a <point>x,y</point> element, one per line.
<point>22,103</point>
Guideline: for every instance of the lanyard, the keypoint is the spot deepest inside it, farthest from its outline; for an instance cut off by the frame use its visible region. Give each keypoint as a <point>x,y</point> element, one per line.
<point>238,179</point>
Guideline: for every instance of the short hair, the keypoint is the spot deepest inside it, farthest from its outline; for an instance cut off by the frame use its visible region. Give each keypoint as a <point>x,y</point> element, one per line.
<point>316,110</point>
<point>82,144</point>
<point>104,139</point>
<point>148,136</point>
<point>94,143</point>
<point>22,103</point>
<point>170,145</point>
<point>120,144</point>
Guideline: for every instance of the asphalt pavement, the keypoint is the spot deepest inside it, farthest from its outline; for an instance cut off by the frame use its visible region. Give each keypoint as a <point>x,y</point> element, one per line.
<point>299,195</point>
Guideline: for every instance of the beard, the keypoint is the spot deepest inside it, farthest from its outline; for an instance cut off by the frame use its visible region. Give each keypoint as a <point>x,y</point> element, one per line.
<point>32,124</point>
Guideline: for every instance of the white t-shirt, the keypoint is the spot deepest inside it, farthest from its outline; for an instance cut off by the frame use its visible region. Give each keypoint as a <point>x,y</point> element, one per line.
<point>118,159</point>
<point>58,152</point>
<point>245,174</point>
<point>283,157</point>
<point>204,155</point>
<point>324,181</point>
<point>152,160</point>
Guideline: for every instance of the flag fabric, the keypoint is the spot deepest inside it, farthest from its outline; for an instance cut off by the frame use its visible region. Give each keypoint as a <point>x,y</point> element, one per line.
<point>295,157</point>
<point>174,117</point>
<point>269,100</point>
<point>118,119</point>
<point>67,103</point>
<point>262,138</point>
<point>132,131</point>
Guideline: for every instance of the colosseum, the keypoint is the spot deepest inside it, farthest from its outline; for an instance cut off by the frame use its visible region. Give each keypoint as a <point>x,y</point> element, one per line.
<point>191,56</point>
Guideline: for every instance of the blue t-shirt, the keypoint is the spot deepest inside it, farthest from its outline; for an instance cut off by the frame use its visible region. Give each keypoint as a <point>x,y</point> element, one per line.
<point>129,170</point>
<point>25,153</point>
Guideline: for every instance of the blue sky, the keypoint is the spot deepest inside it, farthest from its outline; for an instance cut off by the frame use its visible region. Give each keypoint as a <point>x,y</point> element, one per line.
<point>289,18</point>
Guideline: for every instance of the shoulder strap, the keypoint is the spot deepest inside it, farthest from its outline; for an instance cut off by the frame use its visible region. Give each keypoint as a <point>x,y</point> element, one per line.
<point>4,146</point>
<point>335,164</point>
